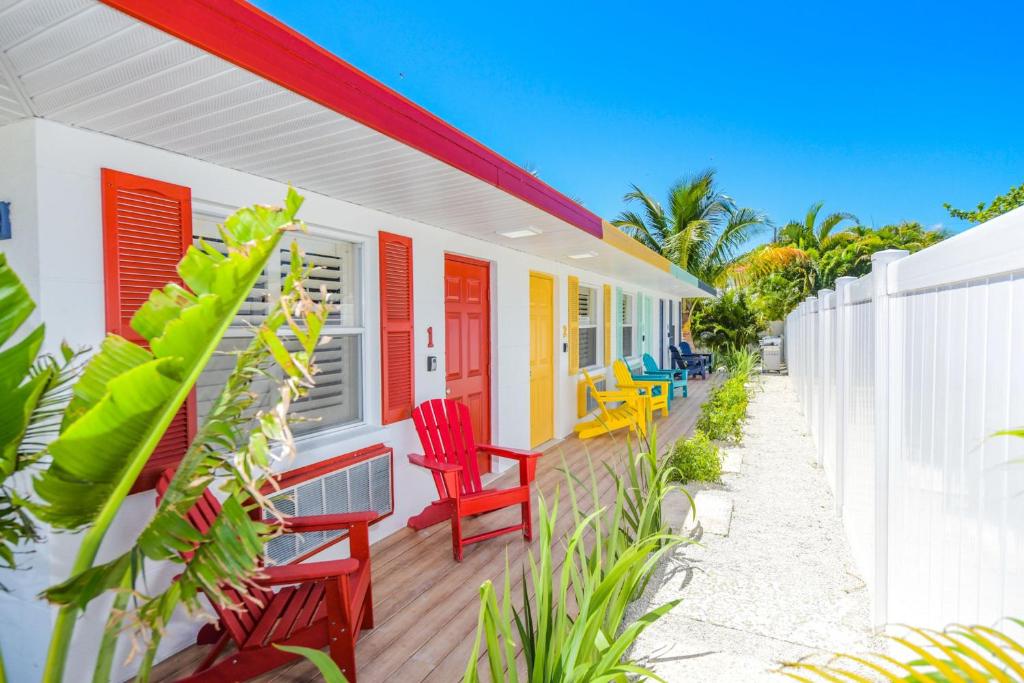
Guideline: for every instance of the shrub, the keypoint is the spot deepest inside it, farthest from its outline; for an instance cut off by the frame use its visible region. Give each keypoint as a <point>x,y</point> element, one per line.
<point>727,322</point>
<point>741,362</point>
<point>721,416</point>
<point>695,459</point>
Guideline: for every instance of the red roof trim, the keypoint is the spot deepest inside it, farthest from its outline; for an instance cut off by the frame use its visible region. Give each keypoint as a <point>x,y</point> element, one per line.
<point>252,39</point>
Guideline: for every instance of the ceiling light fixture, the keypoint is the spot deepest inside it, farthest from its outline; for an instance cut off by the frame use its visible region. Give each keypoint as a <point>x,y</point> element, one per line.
<point>517,234</point>
<point>585,254</point>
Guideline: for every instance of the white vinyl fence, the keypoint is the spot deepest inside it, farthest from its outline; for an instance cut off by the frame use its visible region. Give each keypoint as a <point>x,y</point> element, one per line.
<point>904,376</point>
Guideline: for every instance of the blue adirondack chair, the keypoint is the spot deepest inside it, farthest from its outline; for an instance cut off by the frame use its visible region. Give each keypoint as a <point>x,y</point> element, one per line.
<point>709,358</point>
<point>677,377</point>
<point>695,363</point>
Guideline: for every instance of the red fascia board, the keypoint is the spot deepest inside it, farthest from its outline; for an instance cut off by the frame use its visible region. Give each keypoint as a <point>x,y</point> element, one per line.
<point>253,40</point>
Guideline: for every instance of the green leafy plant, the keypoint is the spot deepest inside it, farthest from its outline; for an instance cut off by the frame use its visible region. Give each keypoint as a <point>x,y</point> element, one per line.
<point>570,621</point>
<point>1013,198</point>
<point>35,388</point>
<point>320,659</point>
<point>726,323</point>
<point>696,459</point>
<point>124,401</point>
<point>721,416</point>
<point>741,362</point>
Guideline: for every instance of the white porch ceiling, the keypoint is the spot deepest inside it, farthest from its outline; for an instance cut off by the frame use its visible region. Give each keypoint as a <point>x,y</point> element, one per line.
<point>84,64</point>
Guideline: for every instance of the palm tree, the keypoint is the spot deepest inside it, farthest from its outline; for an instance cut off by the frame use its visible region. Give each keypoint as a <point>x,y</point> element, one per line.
<point>810,234</point>
<point>702,232</point>
<point>800,244</point>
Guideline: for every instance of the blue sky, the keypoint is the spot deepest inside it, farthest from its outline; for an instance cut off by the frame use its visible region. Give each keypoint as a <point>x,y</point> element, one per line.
<point>885,110</point>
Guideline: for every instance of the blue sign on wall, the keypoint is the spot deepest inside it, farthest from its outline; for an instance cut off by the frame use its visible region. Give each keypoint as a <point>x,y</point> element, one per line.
<point>5,220</point>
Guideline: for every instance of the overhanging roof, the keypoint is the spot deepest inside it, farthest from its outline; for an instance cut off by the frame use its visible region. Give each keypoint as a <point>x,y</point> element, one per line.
<point>225,82</point>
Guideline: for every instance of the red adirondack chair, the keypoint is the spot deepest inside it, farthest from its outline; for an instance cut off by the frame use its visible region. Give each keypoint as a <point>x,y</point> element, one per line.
<point>319,604</point>
<point>450,453</point>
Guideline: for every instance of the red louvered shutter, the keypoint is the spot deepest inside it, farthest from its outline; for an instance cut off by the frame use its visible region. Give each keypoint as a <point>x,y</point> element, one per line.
<point>147,227</point>
<point>396,328</point>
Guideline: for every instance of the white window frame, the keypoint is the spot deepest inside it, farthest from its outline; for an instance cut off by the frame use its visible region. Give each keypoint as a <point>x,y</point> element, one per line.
<point>217,213</point>
<point>628,306</point>
<point>595,324</point>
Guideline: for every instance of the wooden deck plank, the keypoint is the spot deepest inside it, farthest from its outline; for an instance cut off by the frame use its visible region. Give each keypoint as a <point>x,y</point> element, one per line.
<point>426,604</point>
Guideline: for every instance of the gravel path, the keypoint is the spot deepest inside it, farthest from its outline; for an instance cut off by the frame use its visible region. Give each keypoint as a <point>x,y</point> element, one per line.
<point>781,585</point>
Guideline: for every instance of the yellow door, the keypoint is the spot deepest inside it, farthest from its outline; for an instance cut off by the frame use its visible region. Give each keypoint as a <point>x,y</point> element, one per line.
<point>542,358</point>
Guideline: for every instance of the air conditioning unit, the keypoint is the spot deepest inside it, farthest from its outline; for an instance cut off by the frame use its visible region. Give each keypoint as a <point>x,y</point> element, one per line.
<point>349,483</point>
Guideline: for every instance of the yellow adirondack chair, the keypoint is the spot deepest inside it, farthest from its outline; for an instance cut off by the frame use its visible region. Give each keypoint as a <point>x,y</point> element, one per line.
<point>633,412</point>
<point>644,387</point>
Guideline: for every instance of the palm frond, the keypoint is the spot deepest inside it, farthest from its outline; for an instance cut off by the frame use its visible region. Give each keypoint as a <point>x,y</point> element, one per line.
<point>957,653</point>
<point>635,226</point>
<point>831,222</point>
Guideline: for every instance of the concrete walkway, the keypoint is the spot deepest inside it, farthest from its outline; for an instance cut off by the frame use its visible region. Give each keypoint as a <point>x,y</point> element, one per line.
<point>781,585</point>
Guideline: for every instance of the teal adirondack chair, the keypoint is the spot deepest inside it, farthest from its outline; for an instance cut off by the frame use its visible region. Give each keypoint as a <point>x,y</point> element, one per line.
<point>638,375</point>
<point>677,377</point>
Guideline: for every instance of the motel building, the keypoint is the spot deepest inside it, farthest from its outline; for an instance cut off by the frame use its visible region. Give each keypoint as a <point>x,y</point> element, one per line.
<point>128,128</point>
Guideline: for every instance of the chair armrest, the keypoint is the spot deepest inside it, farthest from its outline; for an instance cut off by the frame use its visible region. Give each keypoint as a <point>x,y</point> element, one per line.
<point>614,395</point>
<point>308,571</point>
<point>333,522</point>
<point>439,467</point>
<point>501,451</point>
<point>650,384</point>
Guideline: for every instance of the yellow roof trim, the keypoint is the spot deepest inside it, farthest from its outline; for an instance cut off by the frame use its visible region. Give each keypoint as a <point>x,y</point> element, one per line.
<point>625,243</point>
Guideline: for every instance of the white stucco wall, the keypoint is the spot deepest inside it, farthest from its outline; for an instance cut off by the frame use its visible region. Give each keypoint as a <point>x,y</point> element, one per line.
<point>51,173</point>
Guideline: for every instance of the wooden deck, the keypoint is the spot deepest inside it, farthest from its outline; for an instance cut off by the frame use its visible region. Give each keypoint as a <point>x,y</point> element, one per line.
<point>425,604</point>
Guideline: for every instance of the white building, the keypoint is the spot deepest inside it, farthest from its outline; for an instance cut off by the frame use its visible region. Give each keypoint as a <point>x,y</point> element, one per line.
<point>213,106</point>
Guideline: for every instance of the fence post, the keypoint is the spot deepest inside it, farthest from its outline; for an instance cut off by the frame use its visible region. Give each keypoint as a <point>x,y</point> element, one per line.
<point>812,370</point>
<point>824,362</point>
<point>880,262</point>
<point>842,382</point>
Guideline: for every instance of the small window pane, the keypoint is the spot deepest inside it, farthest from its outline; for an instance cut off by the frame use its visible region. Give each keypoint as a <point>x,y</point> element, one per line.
<point>588,347</point>
<point>335,400</point>
<point>334,272</point>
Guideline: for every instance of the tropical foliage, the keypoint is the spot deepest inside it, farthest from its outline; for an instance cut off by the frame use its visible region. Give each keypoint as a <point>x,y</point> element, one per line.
<point>117,411</point>
<point>1013,198</point>
<point>569,620</point>
<point>808,257</point>
<point>701,230</point>
<point>957,654</point>
<point>726,323</point>
<point>35,388</point>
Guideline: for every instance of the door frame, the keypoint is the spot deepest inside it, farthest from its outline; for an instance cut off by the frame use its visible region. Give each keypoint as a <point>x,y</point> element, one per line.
<point>489,310</point>
<point>554,352</point>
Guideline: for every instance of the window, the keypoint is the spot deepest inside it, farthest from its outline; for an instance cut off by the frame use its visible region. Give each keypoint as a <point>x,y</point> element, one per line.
<point>627,325</point>
<point>588,326</point>
<point>336,400</point>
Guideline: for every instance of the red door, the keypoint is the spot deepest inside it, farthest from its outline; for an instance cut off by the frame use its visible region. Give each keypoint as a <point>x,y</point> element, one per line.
<point>468,343</point>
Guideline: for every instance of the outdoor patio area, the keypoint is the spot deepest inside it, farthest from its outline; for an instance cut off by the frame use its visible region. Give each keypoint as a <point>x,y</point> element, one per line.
<point>425,604</point>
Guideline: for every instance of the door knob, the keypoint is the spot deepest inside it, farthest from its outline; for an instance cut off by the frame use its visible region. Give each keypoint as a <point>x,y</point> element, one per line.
<point>448,391</point>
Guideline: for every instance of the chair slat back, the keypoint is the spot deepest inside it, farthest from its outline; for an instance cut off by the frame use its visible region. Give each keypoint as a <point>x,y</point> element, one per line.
<point>241,617</point>
<point>677,358</point>
<point>446,434</point>
<point>650,365</point>
<point>595,393</point>
<point>623,378</point>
